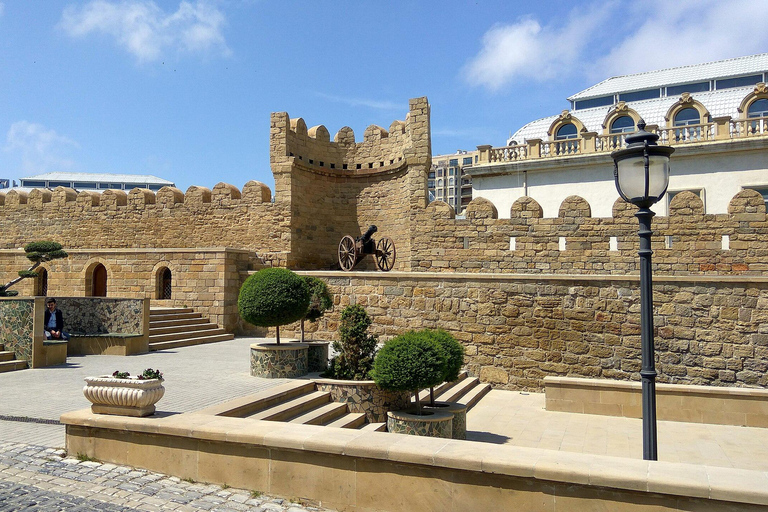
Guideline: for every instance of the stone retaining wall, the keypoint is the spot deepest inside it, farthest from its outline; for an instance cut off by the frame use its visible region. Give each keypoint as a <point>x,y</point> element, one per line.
<point>517,329</point>
<point>17,319</point>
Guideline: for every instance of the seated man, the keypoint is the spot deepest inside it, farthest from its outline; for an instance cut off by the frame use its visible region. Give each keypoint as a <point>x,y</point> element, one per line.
<point>53,322</point>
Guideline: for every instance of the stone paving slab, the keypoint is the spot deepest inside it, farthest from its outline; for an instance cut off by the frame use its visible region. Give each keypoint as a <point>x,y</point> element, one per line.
<point>37,478</point>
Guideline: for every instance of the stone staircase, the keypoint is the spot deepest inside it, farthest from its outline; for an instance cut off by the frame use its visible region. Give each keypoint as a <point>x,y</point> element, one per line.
<point>8,361</point>
<point>181,327</point>
<point>301,402</point>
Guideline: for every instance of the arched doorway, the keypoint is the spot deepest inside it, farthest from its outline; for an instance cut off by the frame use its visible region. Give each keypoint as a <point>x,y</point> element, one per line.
<point>165,287</point>
<point>99,281</point>
<point>41,283</point>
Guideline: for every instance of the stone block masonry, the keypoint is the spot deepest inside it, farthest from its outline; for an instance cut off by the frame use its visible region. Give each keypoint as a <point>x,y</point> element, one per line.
<point>517,329</point>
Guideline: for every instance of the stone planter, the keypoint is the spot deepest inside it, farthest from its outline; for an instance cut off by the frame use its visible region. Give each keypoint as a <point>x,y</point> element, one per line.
<point>365,396</point>
<point>123,397</point>
<point>459,411</point>
<point>317,355</point>
<point>284,361</point>
<point>431,423</point>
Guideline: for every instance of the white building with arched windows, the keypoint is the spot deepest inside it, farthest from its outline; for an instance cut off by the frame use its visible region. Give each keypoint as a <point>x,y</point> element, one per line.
<point>714,114</point>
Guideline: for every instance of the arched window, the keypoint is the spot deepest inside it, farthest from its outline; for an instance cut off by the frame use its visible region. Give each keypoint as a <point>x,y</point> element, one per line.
<point>687,116</point>
<point>758,108</point>
<point>99,281</point>
<point>623,124</point>
<point>567,131</point>
<point>41,283</point>
<point>165,288</point>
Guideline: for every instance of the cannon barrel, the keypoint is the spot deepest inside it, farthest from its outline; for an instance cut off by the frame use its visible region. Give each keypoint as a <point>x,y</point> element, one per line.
<point>368,234</point>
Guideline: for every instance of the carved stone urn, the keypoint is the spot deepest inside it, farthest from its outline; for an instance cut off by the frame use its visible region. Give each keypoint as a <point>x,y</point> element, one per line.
<point>123,397</point>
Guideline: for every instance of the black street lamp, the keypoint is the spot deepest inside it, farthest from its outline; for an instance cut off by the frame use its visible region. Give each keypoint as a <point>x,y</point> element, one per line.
<point>641,171</point>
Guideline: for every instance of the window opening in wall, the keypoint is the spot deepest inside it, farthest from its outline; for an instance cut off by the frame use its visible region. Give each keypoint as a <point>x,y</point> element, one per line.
<point>381,164</point>
<point>725,243</point>
<point>758,108</point>
<point>370,165</point>
<point>512,243</point>
<point>311,161</point>
<point>359,166</point>
<point>613,244</point>
<point>623,124</point>
<point>99,281</point>
<point>729,83</point>
<point>166,287</point>
<point>322,164</point>
<point>561,243</point>
<point>567,131</point>
<point>668,241</point>
<point>593,102</point>
<point>688,120</point>
<point>640,95</point>
<point>333,166</point>
<point>41,288</point>
<point>677,90</point>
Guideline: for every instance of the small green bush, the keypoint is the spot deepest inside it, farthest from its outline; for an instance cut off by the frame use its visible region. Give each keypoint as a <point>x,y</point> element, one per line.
<point>410,362</point>
<point>453,350</point>
<point>356,347</point>
<point>273,297</point>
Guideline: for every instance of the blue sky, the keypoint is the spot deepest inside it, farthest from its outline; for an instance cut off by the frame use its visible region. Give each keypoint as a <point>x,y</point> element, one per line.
<point>183,90</point>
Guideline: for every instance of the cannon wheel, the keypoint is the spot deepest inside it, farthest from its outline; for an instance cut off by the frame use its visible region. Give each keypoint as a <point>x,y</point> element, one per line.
<point>347,253</point>
<point>385,254</point>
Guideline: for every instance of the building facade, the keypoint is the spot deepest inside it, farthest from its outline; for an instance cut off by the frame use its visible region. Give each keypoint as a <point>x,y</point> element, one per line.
<point>93,181</point>
<point>714,114</point>
<point>449,180</point>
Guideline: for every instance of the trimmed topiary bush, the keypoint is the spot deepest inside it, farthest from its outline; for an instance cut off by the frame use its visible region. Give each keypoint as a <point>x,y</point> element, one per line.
<point>356,347</point>
<point>455,356</point>
<point>38,253</point>
<point>410,362</point>
<point>320,301</point>
<point>273,297</point>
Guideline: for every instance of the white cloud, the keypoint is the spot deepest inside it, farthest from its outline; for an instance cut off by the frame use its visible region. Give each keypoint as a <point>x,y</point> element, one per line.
<point>528,50</point>
<point>689,32</point>
<point>363,102</point>
<point>40,149</point>
<point>146,31</point>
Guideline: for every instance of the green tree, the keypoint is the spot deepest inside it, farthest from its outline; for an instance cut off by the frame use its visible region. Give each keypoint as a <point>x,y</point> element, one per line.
<point>455,357</point>
<point>356,348</point>
<point>273,297</point>
<point>410,362</point>
<point>320,301</point>
<point>38,253</point>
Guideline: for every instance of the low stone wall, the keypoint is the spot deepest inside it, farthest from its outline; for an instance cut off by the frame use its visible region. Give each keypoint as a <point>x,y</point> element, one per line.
<point>366,471</point>
<point>17,319</point>
<point>431,423</point>
<point>284,361</point>
<point>744,407</point>
<point>108,344</point>
<point>518,329</point>
<point>102,315</point>
<point>366,397</point>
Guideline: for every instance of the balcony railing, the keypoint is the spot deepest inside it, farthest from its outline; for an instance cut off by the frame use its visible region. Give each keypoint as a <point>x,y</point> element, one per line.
<point>721,128</point>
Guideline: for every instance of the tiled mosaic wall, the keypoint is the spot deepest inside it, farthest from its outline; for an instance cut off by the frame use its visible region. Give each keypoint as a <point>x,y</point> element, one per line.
<point>102,315</point>
<point>17,327</point>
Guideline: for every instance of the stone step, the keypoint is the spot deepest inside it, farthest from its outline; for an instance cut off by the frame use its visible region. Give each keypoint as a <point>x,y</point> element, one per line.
<point>458,390</point>
<point>16,364</point>
<point>164,311</point>
<point>175,323</point>
<point>424,394</point>
<point>349,420</point>
<point>474,395</point>
<point>186,333</point>
<point>6,355</point>
<point>374,427</point>
<point>181,328</point>
<point>251,404</point>
<point>188,342</point>
<point>173,316</point>
<point>294,407</point>
<point>321,415</point>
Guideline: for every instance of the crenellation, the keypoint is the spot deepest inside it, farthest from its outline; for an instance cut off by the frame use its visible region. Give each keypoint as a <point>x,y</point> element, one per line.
<point>38,197</point>
<point>169,197</point>
<point>141,197</point>
<point>63,195</point>
<point>197,196</point>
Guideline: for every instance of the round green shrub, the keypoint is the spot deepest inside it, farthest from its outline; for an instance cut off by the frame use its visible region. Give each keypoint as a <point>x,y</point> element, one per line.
<point>410,362</point>
<point>273,297</point>
<point>320,299</point>
<point>453,350</point>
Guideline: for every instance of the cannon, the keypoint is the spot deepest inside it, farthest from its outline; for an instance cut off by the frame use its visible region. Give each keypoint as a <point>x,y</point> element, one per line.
<point>352,250</point>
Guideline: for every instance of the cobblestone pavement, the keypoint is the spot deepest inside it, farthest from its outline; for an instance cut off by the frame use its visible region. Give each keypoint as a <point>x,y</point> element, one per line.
<point>37,478</point>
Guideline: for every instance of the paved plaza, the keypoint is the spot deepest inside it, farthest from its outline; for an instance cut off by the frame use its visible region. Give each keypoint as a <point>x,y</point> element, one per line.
<point>32,469</point>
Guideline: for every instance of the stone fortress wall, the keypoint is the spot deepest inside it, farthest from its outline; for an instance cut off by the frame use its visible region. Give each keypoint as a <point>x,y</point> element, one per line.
<point>529,296</point>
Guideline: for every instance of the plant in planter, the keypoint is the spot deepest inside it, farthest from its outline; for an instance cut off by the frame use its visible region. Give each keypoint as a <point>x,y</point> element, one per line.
<point>122,394</point>
<point>410,362</point>
<point>38,253</point>
<point>273,297</point>
<point>320,301</point>
<point>454,352</point>
<point>356,348</point>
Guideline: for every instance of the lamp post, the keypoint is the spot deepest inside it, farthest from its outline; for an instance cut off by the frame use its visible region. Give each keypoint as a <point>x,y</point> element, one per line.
<point>641,171</point>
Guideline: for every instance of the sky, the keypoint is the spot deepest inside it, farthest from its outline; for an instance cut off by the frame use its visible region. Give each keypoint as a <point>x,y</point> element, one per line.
<point>183,90</point>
